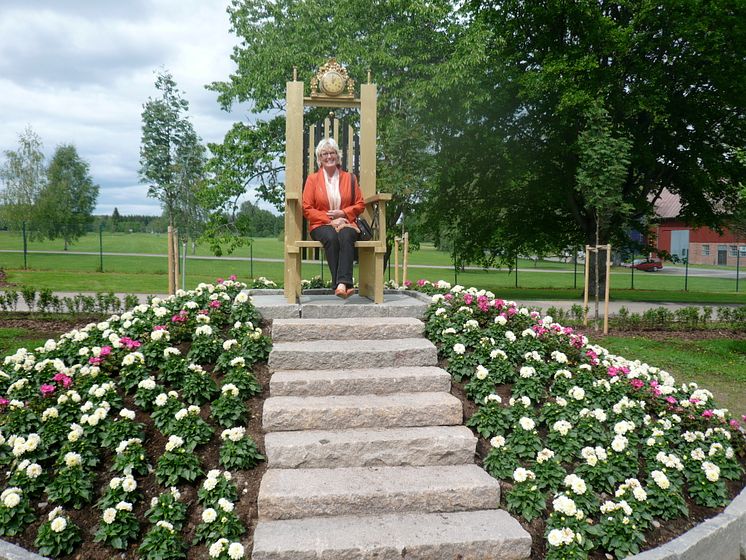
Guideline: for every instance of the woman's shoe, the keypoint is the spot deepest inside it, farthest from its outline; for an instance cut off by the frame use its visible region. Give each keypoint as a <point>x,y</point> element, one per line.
<point>342,292</point>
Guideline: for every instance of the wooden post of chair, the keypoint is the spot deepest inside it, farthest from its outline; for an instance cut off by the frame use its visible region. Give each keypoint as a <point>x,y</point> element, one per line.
<point>293,188</point>
<point>396,261</point>
<point>405,258</point>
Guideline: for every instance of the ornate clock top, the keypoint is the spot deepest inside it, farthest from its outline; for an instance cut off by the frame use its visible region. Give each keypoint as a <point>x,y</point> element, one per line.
<point>331,79</point>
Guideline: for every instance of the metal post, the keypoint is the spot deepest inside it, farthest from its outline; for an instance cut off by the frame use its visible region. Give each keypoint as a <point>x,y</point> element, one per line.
<point>516,271</point>
<point>633,270</point>
<point>25,247</point>
<point>738,263</point>
<point>101,246</point>
<point>251,259</point>
<point>183,265</point>
<point>575,272</point>
<point>686,273</point>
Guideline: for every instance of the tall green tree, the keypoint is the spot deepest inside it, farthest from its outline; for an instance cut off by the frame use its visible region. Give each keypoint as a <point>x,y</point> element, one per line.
<point>400,41</point>
<point>670,76</point>
<point>171,155</point>
<point>23,176</point>
<point>66,203</point>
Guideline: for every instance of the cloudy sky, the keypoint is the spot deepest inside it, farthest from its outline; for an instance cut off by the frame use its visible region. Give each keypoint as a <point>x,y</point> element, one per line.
<point>79,71</point>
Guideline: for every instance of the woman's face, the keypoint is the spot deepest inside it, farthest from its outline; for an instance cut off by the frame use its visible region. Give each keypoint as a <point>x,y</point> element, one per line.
<point>328,159</point>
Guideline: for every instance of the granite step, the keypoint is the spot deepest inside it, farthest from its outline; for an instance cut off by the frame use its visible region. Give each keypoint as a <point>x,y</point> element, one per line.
<point>347,354</point>
<point>351,328</point>
<point>373,381</point>
<point>431,445</point>
<point>339,412</point>
<point>469,535</point>
<point>298,493</point>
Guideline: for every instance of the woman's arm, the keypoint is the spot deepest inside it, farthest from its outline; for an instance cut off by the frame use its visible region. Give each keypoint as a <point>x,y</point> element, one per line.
<point>310,209</point>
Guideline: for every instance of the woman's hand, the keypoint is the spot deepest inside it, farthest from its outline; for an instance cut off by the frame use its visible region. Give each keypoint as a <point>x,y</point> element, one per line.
<point>333,214</point>
<point>339,222</point>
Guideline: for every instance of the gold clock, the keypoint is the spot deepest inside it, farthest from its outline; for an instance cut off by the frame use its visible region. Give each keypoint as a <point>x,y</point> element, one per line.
<point>332,80</point>
<point>332,83</point>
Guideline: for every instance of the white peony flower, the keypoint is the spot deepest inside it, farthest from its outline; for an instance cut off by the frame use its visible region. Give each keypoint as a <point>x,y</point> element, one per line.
<point>209,515</point>
<point>235,551</point>
<point>110,514</point>
<point>58,524</point>
<point>527,423</point>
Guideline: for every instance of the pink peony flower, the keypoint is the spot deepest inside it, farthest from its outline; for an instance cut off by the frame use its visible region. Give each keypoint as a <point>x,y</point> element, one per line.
<point>215,304</point>
<point>4,401</point>
<point>129,343</point>
<point>637,383</point>
<point>448,297</point>
<point>105,351</point>
<point>64,379</point>
<point>670,400</point>
<point>232,277</point>
<point>47,389</point>
<point>95,361</point>
<point>219,281</point>
<point>421,282</point>
<point>707,414</point>
<point>734,424</point>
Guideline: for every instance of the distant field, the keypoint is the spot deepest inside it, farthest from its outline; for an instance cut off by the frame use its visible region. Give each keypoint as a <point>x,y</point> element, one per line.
<point>147,274</point>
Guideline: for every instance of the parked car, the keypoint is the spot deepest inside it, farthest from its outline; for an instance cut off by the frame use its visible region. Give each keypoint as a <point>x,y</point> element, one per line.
<point>647,265</point>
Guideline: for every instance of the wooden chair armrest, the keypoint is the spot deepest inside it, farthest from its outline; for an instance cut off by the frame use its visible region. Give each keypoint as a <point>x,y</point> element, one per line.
<point>378,197</point>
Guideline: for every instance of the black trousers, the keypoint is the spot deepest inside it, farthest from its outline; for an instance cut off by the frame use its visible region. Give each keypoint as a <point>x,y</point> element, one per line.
<point>339,248</point>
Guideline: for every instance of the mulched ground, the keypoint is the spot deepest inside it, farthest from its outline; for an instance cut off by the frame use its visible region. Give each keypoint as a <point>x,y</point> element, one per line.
<point>248,481</point>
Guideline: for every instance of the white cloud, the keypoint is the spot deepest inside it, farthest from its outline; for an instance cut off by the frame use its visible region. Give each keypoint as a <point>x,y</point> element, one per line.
<point>79,72</point>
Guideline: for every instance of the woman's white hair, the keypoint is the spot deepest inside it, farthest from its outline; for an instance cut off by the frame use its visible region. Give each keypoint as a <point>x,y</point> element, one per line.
<point>331,144</point>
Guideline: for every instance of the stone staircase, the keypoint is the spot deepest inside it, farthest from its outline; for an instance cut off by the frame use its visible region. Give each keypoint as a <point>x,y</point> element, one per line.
<point>367,454</point>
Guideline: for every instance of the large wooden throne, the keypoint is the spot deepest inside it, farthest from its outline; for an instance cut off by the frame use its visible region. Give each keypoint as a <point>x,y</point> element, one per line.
<point>332,88</point>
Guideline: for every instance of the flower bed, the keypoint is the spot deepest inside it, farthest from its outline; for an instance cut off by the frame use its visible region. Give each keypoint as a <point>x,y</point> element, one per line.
<point>136,434</point>
<point>598,455</point>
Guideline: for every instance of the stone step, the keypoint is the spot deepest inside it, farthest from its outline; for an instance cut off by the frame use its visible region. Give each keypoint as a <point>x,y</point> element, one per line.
<point>345,354</point>
<point>469,535</point>
<point>395,305</point>
<point>432,445</point>
<point>378,381</point>
<point>298,493</point>
<point>339,412</point>
<point>352,328</point>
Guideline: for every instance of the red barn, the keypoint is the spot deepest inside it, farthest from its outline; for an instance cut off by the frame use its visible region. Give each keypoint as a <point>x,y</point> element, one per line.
<point>702,245</point>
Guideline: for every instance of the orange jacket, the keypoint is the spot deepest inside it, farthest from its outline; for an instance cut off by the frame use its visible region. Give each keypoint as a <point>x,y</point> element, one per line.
<point>316,203</point>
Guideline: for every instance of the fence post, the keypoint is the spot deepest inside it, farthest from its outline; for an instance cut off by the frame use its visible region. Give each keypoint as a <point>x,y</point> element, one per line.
<point>686,273</point>
<point>25,247</point>
<point>101,247</point>
<point>516,271</point>
<point>633,270</point>
<point>738,263</point>
<point>251,259</point>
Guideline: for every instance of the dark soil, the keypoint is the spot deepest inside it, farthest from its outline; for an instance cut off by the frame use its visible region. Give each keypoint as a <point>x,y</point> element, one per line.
<point>248,481</point>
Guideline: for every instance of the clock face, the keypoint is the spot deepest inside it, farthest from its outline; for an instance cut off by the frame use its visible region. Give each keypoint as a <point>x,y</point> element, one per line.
<point>332,83</point>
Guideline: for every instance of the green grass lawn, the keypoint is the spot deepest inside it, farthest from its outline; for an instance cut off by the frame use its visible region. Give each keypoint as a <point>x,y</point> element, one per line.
<point>11,339</point>
<point>715,364</point>
<point>147,274</point>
